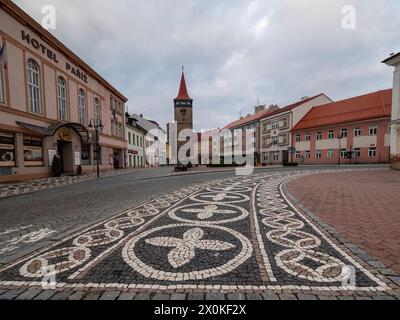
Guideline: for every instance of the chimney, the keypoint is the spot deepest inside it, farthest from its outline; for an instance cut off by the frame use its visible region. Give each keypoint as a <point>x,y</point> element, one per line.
<point>259,109</point>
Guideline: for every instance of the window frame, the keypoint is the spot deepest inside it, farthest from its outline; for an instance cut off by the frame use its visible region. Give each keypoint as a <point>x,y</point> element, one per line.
<point>374,150</point>
<point>82,107</point>
<point>62,100</point>
<point>374,130</point>
<point>34,89</point>
<point>2,88</point>
<point>357,132</point>
<point>97,110</point>
<point>318,136</point>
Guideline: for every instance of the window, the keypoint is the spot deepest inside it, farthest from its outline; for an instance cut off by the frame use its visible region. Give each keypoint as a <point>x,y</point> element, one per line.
<point>298,155</point>
<point>2,99</point>
<point>265,157</point>
<point>85,150</point>
<point>319,135</point>
<point>82,107</point>
<point>330,154</point>
<point>275,140</point>
<point>357,153</point>
<point>275,125</point>
<point>62,99</point>
<point>343,153</point>
<point>276,156</point>
<point>33,151</point>
<point>357,132</point>
<point>129,138</point>
<point>34,86</point>
<point>308,154</point>
<point>372,152</point>
<point>373,130</point>
<point>308,136</point>
<point>97,111</point>
<point>7,150</point>
<point>343,133</point>
<point>318,154</point>
<point>331,135</point>
<point>298,138</point>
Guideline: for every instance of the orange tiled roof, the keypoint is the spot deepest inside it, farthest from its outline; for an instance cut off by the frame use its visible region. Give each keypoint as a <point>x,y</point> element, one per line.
<point>369,106</point>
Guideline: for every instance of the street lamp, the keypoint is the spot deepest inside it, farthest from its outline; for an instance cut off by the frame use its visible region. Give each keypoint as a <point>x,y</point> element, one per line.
<point>340,137</point>
<point>97,125</point>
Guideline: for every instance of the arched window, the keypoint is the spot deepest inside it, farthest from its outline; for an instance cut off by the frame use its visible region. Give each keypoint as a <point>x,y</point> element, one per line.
<point>2,98</point>
<point>97,111</point>
<point>34,86</point>
<point>62,99</point>
<point>82,107</point>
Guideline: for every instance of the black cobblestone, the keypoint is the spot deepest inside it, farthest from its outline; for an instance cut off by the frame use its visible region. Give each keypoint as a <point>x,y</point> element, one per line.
<point>110,295</point>
<point>45,295</point>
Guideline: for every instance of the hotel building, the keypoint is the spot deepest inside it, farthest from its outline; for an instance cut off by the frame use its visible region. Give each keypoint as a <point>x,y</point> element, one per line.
<point>350,131</point>
<point>48,99</point>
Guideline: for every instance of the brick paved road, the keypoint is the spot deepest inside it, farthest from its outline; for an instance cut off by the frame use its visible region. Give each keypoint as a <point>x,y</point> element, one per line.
<point>363,206</point>
<point>231,238</point>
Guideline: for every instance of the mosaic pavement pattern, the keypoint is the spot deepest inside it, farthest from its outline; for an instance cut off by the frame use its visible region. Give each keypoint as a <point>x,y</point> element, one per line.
<point>236,235</point>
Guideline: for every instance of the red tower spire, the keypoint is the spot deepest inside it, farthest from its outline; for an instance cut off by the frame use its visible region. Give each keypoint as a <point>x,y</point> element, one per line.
<point>183,93</point>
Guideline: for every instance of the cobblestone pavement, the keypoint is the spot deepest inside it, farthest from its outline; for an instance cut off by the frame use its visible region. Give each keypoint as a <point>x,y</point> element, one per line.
<point>20,188</point>
<point>362,206</point>
<point>234,238</point>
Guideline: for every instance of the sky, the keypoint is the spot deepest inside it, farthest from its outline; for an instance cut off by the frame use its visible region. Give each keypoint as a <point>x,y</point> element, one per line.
<point>235,52</point>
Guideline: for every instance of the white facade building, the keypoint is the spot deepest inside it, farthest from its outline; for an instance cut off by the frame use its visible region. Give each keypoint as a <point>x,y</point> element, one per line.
<point>276,139</point>
<point>135,136</point>
<point>394,61</point>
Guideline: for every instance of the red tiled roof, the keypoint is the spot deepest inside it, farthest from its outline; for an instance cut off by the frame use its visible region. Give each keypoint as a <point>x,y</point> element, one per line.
<point>368,106</point>
<point>269,113</point>
<point>183,93</point>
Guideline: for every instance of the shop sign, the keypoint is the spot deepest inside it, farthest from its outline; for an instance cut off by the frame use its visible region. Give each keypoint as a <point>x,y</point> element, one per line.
<point>65,135</point>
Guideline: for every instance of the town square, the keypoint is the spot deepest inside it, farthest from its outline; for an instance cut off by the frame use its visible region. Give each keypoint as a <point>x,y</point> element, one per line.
<point>112,188</point>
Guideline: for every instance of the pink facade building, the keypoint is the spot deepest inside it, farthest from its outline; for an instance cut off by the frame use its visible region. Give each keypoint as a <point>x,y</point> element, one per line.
<point>50,102</point>
<point>351,131</point>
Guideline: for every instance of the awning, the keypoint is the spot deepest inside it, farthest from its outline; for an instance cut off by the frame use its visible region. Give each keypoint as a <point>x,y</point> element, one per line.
<point>52,129</point>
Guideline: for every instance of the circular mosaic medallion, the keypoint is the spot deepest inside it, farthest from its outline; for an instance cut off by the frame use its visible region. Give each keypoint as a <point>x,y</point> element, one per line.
<point>220,197</point>
<point>210,213</point>
<point>183,252</point>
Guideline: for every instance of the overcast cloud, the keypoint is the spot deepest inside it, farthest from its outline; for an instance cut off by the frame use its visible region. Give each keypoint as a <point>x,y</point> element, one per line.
<point>234,51</point>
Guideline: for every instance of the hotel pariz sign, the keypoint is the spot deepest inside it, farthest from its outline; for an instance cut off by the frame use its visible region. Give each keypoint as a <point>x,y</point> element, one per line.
<point>36,44</point>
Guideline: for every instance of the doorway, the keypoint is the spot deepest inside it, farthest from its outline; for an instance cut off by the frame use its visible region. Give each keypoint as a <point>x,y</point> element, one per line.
<point>64,150</point>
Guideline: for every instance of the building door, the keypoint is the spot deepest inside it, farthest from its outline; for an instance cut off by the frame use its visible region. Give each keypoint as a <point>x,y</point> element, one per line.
<point>285,157</point>
<point>116,160</point>
<point>60,152</point>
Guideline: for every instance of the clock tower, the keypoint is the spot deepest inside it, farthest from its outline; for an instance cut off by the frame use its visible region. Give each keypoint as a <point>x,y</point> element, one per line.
<point>183,105</point>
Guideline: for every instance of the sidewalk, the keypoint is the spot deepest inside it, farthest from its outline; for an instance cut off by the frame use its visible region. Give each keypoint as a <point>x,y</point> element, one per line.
<point>362,206</point>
